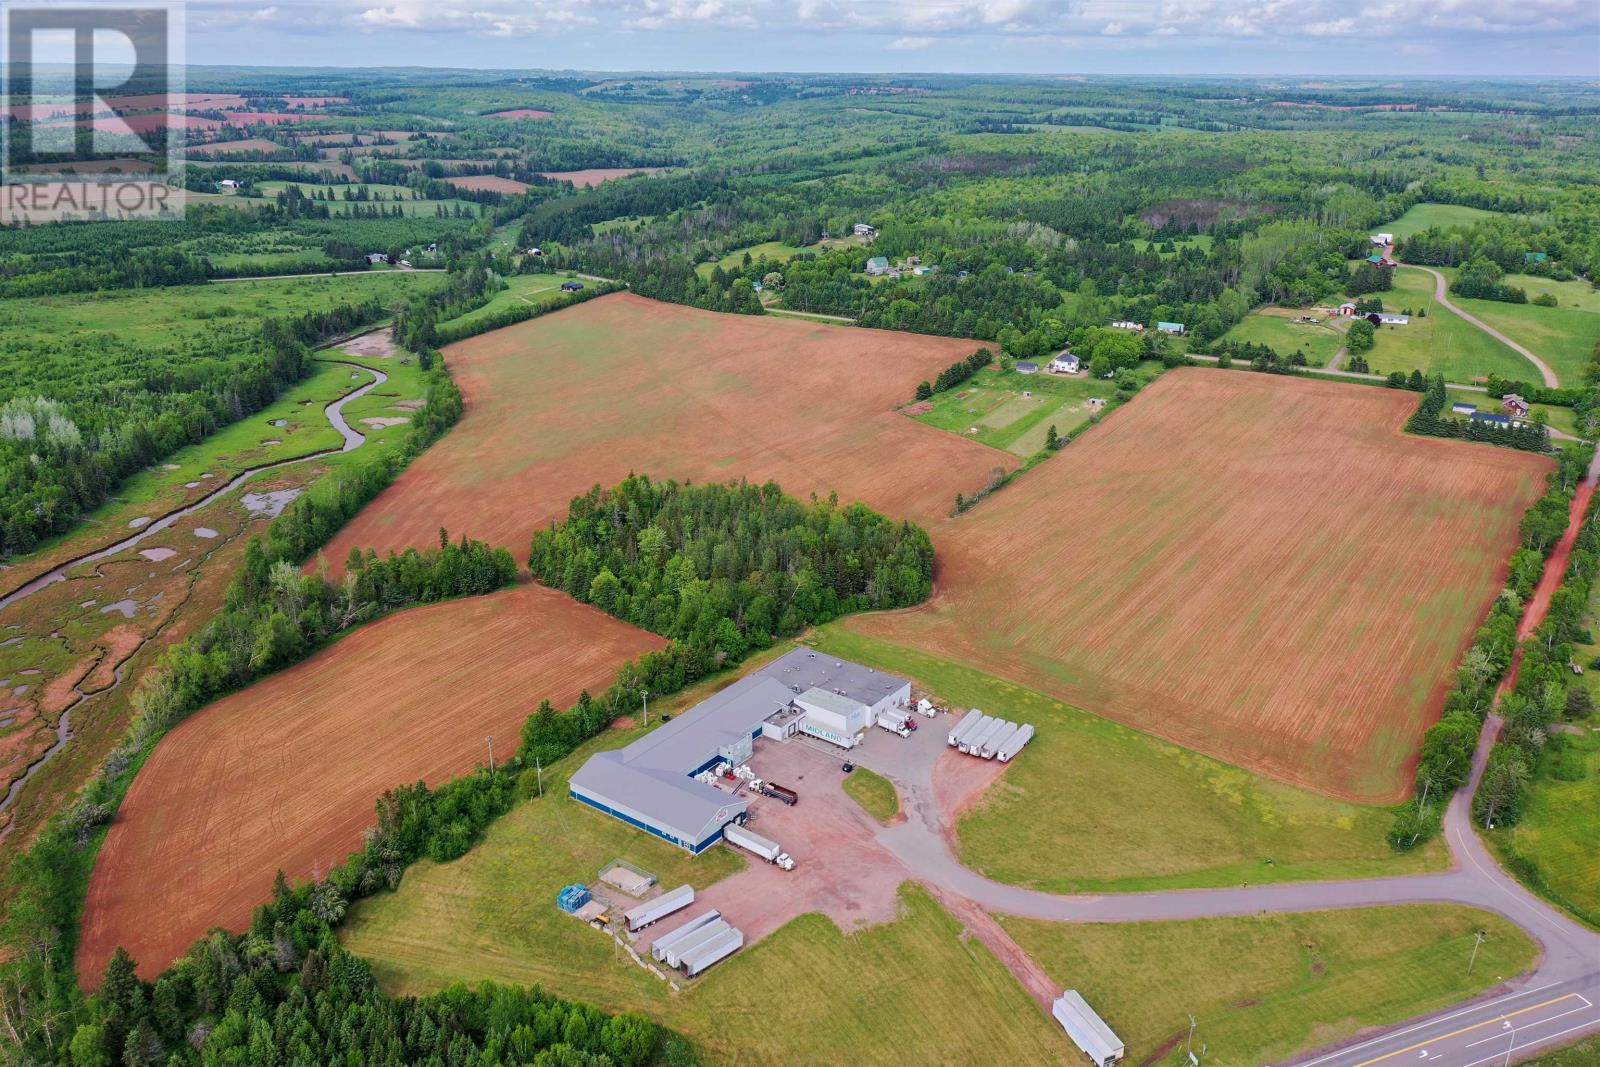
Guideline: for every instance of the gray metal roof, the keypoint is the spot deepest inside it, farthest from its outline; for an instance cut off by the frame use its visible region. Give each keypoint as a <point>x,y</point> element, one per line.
<point>651,775</point>
<point>822,698</point>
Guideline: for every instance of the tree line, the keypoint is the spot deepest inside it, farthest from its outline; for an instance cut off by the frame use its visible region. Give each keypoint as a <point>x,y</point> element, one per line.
<point>1430,420</point>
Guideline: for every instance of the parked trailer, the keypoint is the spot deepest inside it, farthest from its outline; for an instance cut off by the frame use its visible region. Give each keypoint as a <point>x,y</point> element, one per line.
<point>703,936</point>
<point>1087,1030</point>
<point>659,908</point>
<point>720,949</point>
<point>1014,744</point>
<point>658,948</point>
<point>973,743</point>
<point>992,746</point>
<point>751,841</point>
<point>783,793</point>
<point>970,721</point>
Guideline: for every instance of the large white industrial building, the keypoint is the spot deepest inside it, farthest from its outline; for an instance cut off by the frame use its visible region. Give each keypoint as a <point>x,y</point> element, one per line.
<point>651,783</point>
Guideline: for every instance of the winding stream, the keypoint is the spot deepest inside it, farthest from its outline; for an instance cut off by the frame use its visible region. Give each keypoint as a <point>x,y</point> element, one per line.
<point>353,439</point>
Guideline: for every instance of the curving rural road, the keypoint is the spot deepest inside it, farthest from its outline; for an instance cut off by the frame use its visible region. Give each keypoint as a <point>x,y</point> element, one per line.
<point>1440,293</point>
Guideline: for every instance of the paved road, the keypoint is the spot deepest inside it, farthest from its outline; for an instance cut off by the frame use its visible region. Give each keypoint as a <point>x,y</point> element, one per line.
<point>1440,294</point>
<point>1331,371</point>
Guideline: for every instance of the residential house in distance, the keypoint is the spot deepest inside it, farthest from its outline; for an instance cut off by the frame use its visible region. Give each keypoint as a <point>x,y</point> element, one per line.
<point>861,229</point>
<point>877,265</point>
<point>1534,257</point>
<point>377,257</point>
<point>1348,309</point>
<point>1390,318</point>
<point>1125,324</point>
<point>229,183</point>
<point>1175,328</point>
<point>1383,238</point>
<point>1514,405</point>
<point>1065,363</point>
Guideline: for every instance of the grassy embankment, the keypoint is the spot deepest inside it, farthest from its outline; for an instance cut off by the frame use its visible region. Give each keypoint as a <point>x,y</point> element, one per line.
<point>1265,987</point>
<point>1093,806</point>
<point>875,793</point>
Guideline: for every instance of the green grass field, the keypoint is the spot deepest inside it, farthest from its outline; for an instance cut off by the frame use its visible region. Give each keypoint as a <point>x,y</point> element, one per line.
<point>1276,328</point>
<point>775,251</point>
<point>1201,241</point>
<point>1092,806</point>
<point>1441,342</point>
<point>535,289</point>
<point>875,793</point>
<point>159,317</point>
<point>1583,1054</point>
<point>1564,336</point>
<point>996,404</point>
<point>384,196</point>
<point>1425,216</point>
<point>1266,987</point>
<point>1560,827</point>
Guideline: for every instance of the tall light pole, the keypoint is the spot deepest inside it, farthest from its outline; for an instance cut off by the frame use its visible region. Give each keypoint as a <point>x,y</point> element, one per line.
<point>1481,936</point>
<point>646,694</point>
<point>490,739</point>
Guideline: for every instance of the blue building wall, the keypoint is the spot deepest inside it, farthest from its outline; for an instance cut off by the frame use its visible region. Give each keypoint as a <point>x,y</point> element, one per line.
<point>695,848</point>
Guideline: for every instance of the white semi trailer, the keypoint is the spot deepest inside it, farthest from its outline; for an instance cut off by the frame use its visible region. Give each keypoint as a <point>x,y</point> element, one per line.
<point>993,745</point>
<point>969,722</point>
<point>659,908</point>
<point>703,936</point>
<point>659,947</point>
<point>751,841</point>
<point>1014,743</point>
<point>731,941</point>
<point>973,743</point>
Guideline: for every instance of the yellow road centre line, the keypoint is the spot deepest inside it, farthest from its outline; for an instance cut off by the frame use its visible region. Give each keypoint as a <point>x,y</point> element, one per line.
<point>1466,1029</point>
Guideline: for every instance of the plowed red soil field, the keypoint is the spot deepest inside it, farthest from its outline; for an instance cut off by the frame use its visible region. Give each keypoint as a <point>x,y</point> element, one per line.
<point>585,179</point>
<point>284,774</point>
<point>1264,569</point>
<point>623,384</point>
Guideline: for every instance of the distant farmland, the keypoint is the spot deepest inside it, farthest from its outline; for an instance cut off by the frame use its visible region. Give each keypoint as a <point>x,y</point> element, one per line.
<point>621,384</point>
<point>1266,570</point>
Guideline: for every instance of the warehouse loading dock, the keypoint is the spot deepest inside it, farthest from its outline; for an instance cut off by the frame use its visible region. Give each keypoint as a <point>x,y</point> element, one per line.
<point>655,784</point>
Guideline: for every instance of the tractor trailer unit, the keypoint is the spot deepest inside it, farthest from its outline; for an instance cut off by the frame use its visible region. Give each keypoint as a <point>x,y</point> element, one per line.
<point>751,841</point>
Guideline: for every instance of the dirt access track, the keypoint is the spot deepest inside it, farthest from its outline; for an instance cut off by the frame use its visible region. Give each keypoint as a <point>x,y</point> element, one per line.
<point>284,774</point>
<point>1264,569</point>
<point>623,384</point>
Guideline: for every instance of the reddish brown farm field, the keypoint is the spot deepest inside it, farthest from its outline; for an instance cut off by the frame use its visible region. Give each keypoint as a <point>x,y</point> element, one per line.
<point>490,182</point>
<point>1263,569</point>
<point>284,774</point>
<point>521,113</point>
<point>622,384</point>
<point>584,179</point>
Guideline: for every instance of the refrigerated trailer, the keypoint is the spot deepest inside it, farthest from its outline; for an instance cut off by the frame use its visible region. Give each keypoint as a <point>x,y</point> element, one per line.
<point>729,942</point>
<point>1087,1030</point>
<point>973,743</point>
<point>969,722</point>
<point>895,724</point>
<point>659,908</point>
<point>751,841</point>
<point>993,745</point>
<point>658,948</point>
<point>1014,743</point>
<point>704,936</point>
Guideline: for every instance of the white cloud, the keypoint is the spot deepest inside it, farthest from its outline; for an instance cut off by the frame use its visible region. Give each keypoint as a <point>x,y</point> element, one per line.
<point>910,44</point>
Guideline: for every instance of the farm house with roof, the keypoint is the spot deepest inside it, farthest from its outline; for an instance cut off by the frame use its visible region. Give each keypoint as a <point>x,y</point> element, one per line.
<point>656,783</point>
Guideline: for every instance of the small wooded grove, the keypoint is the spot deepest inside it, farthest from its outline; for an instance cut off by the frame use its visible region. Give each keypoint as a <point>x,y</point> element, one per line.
<point>729,567</point>
<point>1429,419</point>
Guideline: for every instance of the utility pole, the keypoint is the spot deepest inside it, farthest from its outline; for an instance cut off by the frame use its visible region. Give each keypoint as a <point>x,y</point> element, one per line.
<point>1188,1046</point>
<point>646,694</point>
<point>490,739</point>
<point>538,769</point>
<point>1481,936</point>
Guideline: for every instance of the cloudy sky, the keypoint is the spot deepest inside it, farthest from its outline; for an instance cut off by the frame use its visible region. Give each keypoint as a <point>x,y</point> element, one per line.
<point>1140,37</point>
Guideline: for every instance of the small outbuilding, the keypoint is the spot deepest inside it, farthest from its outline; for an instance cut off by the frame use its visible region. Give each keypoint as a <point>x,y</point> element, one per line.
<point>1348,309</point>
<point>1087,1030</point>
<point>1492,419</point>
<point>1390,318</point>
<point>1461,408</point>
<point>1128,324</point>
<point>571,287</point>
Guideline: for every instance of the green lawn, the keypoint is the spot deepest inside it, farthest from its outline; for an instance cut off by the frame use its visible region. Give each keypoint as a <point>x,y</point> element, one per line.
<point>533,289</point>
<point>774,251</point>
<point>997,406</point>
<point>1276,327</point>
<point>875,793</point>
<point>1201,241</point>
<point>1583,1054</point>
<point>1425,216</point>
<point>1265,987</point>
<point>1092,806</point>
<point>1564,336</point>
<point>1441,342</point>
<point>1558,839</point>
